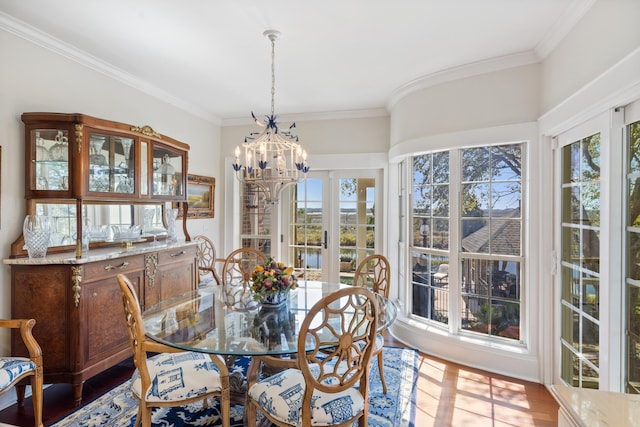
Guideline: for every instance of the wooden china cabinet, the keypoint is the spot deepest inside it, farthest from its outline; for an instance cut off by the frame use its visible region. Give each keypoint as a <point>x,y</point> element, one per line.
<point>105,187</point>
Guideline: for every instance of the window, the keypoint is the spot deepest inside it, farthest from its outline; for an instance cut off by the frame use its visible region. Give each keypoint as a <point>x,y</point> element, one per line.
<point>491,240</point>
<point>256,219</point>
<point>633,258</point>
<point>476,192</point>
<point>580,262</point>
<point>430,232</point>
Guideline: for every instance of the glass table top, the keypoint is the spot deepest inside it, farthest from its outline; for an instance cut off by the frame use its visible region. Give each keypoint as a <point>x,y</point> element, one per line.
<point>202,321</point>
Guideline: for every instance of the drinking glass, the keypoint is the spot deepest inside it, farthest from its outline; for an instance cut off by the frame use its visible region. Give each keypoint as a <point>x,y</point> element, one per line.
<point>36,230</point>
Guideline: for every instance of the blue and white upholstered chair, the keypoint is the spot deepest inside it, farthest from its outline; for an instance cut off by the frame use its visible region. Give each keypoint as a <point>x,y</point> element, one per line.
<point>14,369</point>
<point>174,377</point>
<point>328,385</point>
<point>374,272</point>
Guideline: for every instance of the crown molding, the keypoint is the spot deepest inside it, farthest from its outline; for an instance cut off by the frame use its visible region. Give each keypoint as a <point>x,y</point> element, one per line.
<point>46,41</point>
<point>304,117</point>
<point>616,87</point>
<point>563,25</point>
<point>461,72</point>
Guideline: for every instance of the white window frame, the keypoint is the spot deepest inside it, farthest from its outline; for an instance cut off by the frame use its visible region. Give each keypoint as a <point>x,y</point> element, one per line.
<point>608,124</point>
<point>522,361</point>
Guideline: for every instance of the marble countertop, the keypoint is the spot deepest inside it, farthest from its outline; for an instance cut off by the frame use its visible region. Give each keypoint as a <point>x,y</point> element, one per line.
<point>101,254</point>
<point>598,408</point>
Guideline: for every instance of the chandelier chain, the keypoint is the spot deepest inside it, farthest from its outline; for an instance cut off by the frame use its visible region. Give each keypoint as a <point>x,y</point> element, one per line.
<point>273,75</point>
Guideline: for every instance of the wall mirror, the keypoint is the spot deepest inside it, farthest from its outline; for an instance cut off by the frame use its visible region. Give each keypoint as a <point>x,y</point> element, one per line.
<point>102,223</point>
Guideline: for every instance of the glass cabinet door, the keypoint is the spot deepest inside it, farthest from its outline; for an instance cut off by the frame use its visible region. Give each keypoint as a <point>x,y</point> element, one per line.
<point>50,156</point>
<point>111,164</point>
<point>168,175</point>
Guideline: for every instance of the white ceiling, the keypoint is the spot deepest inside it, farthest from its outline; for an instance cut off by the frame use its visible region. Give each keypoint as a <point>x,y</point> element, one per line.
<point>334,56</point>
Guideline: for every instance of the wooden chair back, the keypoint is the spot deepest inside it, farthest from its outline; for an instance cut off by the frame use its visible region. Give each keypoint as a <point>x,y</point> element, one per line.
<point>239,265</point>
<point>374,272</point>
<point>236,277</point>
<point>342,344</point>
<point>135,327</point>
<point>207,260</point>
<point>141,346</point>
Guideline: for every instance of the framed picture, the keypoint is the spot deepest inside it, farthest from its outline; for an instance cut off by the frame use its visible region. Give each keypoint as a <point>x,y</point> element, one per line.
<point>200,196</point>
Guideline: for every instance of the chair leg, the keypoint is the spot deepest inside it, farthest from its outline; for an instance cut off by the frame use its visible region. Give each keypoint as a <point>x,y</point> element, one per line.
<point>146,417</point>
<point>36,398</point>
<point>380,366</point>
<point>138,419</point>
<point>250,414</point>
<point>364,420</point>
<point>225,410</point>
<point>20,389</point>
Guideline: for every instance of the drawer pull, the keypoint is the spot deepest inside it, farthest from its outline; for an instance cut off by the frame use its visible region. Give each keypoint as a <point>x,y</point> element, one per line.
<point>122,266</point>
<point>178,253</point>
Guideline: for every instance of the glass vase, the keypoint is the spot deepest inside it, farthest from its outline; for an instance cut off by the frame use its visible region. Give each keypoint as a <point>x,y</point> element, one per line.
<point>170,217</point>
<point>36,231</point>
<point>274,299</point>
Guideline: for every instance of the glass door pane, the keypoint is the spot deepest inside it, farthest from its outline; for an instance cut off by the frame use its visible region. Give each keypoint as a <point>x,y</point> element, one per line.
<point>307,228</point>
<point>51,159</point>
<point>332,224</point>
<point>356,224</point>
<point>580,258</point>
<point>632,228</point>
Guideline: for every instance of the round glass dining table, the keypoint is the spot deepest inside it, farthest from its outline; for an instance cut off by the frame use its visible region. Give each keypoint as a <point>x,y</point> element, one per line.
<point>202,321</point>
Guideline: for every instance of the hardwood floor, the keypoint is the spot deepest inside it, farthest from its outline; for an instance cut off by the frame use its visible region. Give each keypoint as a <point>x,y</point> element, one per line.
<point>447,395</point>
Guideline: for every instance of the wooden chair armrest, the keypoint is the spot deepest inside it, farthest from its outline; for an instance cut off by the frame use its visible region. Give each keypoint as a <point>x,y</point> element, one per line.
<point>25,326</point>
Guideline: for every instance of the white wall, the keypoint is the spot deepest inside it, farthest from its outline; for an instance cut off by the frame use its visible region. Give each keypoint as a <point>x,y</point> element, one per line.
<point>334,136</point>
<point>606,34</point>
<point>35,79</point>
<point>487,100</point>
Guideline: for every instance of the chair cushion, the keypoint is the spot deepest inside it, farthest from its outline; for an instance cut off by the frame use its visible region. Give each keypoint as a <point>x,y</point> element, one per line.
<point>281,396</point>
<point>178,376</point>
<point>12,367</point>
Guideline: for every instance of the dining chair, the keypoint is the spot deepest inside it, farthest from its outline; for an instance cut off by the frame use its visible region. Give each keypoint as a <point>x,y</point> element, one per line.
<point>327,384</point>
<point>375,272</point>
<point>174,377</point>
<point>14,369</point>
<point>236,276</point>
<point>207,261</point>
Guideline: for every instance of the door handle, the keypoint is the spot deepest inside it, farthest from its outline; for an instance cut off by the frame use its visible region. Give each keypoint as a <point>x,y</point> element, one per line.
<point>325,239</point>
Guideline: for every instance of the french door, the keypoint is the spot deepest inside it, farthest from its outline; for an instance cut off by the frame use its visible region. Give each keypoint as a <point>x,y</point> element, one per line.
<point>331,223</point>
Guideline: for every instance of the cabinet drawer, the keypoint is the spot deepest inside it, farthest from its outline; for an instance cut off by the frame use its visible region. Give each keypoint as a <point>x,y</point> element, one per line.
<point>112,267</point>
<point>177,255</point>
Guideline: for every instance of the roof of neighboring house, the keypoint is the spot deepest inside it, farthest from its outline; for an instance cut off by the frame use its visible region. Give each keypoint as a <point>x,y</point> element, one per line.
<point>501,234</point>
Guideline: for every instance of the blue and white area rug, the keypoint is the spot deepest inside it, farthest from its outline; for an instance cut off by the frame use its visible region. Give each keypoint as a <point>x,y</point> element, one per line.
<point>118,408</point>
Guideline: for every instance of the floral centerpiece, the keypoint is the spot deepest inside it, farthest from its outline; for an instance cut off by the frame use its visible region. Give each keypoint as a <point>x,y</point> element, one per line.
<point>272,282</point>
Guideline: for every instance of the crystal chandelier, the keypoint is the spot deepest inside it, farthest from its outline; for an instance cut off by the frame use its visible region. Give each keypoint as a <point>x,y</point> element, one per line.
<point>273,158</point>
